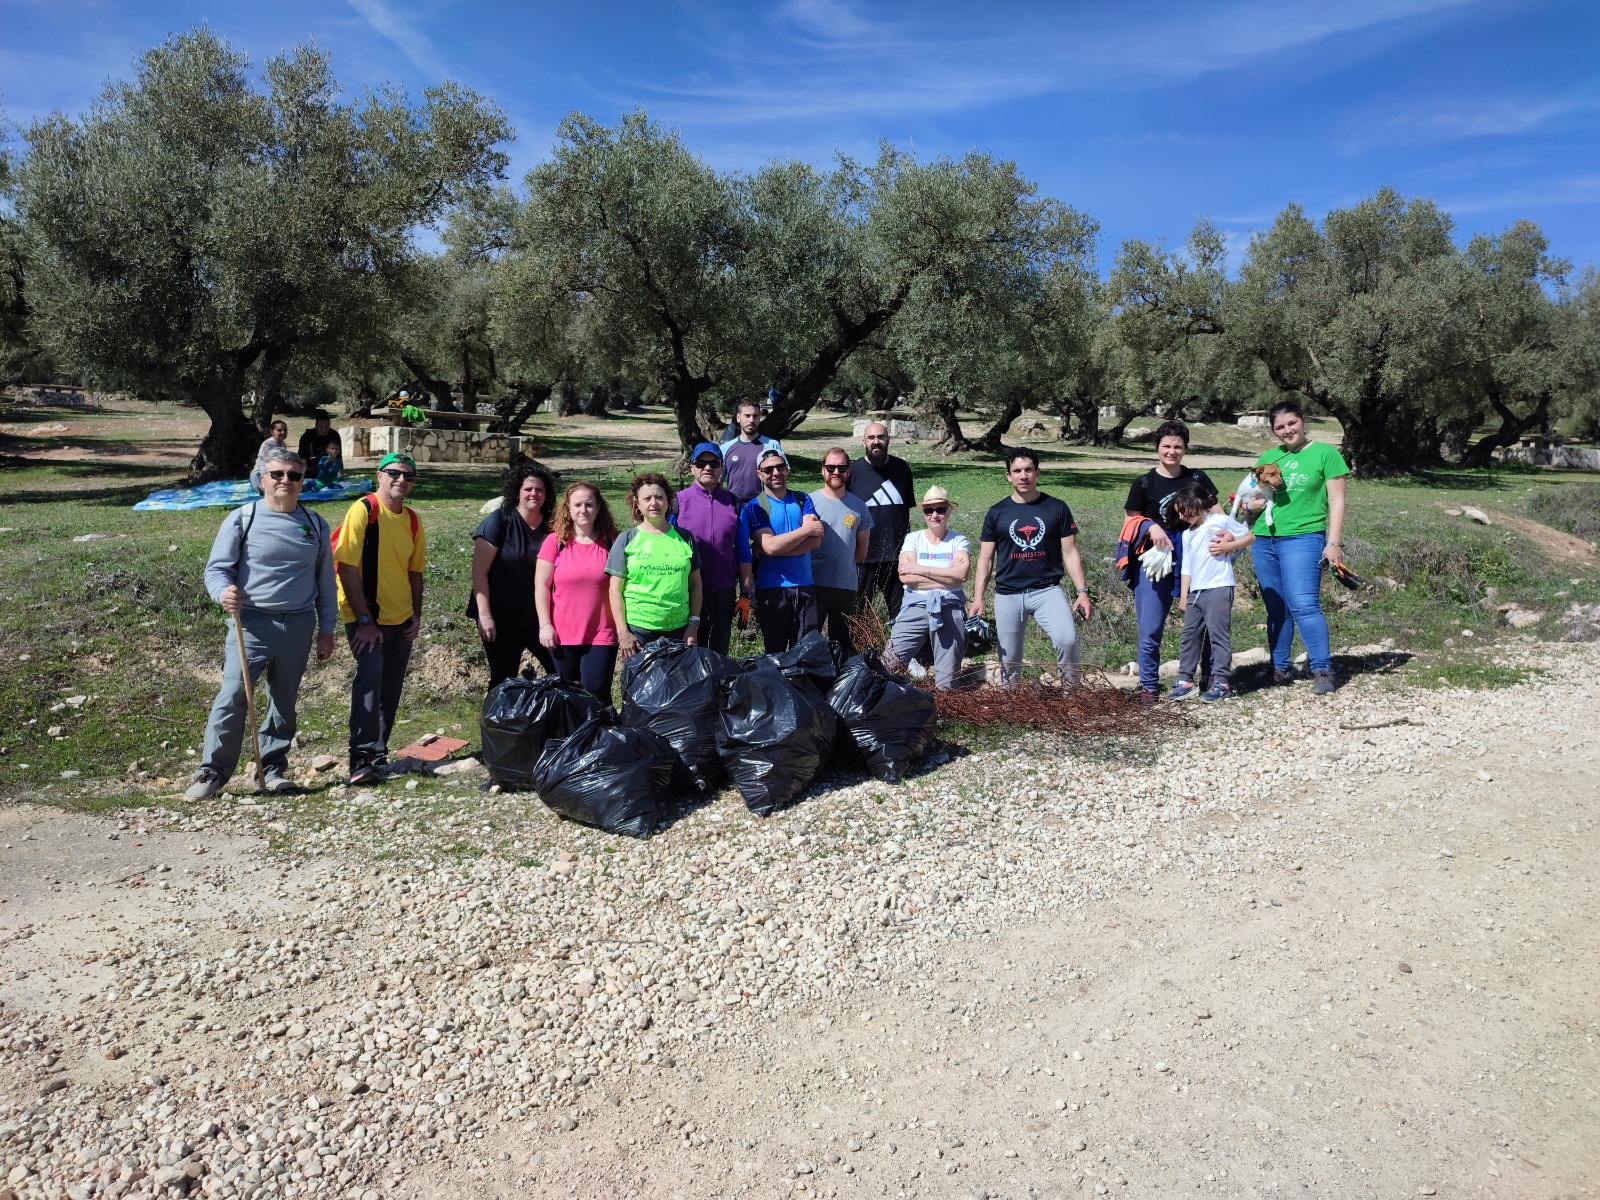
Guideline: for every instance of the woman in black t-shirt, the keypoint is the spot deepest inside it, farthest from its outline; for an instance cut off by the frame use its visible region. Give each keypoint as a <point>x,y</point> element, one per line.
<point>1151,496</point>
<point>505,554</point>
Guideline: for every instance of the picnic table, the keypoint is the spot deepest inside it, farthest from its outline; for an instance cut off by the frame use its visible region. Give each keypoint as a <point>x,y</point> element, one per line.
<point>440,418</point>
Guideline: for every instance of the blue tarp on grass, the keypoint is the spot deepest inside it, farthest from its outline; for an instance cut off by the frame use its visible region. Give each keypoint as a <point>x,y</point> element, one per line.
<point>230,493</point>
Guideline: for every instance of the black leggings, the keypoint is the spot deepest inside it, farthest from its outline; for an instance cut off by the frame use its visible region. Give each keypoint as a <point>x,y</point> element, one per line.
<point>589,666</point>
<point>505,653</point>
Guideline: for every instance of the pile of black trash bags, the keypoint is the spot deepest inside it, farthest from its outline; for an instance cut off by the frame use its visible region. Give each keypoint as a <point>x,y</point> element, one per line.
<point>692,717</point>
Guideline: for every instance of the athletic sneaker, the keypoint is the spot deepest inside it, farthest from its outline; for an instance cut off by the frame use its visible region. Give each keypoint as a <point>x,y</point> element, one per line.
<point>365,773</point>
<point>1282,678</point>
<point>281,785</point>
<point>1217,691</point>
<point>205,784</point>
<point>1182,691</point>
<point>1322,682</point>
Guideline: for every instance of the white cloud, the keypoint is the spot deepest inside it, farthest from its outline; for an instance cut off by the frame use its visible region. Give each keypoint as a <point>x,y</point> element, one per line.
<point>818,58</point>
<point>1455,119</point>
<point>410,40</point>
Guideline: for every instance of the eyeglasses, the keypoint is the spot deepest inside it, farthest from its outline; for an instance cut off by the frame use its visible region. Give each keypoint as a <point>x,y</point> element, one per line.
<point>835,468</point>
<point>708,463</point>
<point>291,476</point>
<point>408,476</point>
<point>938,510</point>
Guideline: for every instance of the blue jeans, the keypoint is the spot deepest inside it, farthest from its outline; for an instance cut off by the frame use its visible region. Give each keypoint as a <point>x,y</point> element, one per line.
<point>277,645</point>
<point>1152,601</point>
<point>1289,570</point>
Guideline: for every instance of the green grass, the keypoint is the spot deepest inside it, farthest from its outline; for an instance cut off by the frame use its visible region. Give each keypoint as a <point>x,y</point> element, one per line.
<point>124,621</point>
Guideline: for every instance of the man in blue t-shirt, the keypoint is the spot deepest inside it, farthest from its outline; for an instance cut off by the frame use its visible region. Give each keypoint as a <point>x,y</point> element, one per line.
<point>778,530</point>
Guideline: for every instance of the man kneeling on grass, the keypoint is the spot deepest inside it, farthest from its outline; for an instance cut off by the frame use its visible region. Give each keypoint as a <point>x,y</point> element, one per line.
<point>271,570</point>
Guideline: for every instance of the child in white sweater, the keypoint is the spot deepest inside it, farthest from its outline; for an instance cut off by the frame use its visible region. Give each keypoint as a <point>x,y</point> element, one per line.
<point>1205,595</point>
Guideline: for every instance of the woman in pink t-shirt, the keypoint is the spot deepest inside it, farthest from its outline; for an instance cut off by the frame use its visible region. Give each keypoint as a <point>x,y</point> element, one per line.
<point>572,592</point>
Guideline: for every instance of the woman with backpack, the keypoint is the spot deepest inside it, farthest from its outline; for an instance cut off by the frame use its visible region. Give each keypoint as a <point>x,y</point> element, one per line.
<point>505,558</point>
<point>573,593</point>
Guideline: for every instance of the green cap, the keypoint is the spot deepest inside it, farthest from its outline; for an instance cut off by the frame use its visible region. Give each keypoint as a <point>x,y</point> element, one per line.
<point>403,459</point>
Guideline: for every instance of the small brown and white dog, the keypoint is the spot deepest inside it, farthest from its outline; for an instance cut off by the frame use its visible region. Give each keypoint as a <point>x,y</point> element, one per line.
<point>1256,492</point>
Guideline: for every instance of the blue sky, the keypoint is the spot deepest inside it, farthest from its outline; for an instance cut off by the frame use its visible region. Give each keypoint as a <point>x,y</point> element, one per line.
<point>1146,115</point>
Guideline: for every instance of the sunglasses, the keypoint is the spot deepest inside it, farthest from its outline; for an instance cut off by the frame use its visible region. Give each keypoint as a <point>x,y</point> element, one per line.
<point>937,510</point>
<point>706,463</point>
<point>835,468</point>
<point>291,476</point>
<point>408,476</point>
<point>773,470</point>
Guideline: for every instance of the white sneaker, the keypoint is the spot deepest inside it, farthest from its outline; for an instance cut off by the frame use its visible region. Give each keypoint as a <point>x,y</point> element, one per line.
<point>205,784</point>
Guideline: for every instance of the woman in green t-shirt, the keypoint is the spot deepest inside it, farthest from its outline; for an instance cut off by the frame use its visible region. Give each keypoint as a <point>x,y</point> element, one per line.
<point>1307,523</point>
<point>655,572</point>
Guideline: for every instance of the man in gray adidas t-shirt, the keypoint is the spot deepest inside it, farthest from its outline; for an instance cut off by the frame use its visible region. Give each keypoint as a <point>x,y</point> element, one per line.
<point>847,531</point>
<point>271,570</point>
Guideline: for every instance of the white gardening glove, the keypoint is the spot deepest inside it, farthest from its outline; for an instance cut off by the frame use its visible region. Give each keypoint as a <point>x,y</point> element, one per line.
<point>1156,562</point>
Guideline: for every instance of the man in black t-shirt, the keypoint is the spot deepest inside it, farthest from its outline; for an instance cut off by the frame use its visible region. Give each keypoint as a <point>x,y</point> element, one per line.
<point>1151,496</point>
<point>314,441</point>
<point>1029,541</point>
<point>883,483</point>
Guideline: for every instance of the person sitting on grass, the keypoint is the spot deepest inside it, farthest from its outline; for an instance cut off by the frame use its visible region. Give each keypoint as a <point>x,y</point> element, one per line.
<point>330,467</point>
<point>655,572</point>
<point>277,439</point>
<point>271,570</point>
<point>1205,591</point>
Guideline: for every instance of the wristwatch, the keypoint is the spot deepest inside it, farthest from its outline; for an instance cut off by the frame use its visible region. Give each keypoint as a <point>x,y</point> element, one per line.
<point>364,619</point>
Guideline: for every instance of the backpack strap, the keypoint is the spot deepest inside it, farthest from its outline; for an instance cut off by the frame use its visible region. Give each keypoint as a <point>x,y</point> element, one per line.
<point>246,519</point>
<point>369,555</point>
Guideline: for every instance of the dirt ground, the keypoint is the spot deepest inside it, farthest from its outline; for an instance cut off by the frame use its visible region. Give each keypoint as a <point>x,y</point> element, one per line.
<point>1389,989</point>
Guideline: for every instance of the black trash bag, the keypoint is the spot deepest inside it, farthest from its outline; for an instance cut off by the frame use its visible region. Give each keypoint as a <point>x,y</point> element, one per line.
<point>610,776</point>
<point>671,689</point>
<point>813,656</point>
<point>520,716</point>
<point>775,733</point>
<point>885,720</point>
<point>980,637</point>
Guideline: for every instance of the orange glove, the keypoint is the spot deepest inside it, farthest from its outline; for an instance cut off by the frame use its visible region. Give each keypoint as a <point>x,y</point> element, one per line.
<point>741,611</point>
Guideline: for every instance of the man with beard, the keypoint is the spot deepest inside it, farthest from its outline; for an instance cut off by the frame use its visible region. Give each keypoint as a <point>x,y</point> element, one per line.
<point>1029,541</point>
<point>883,483</point>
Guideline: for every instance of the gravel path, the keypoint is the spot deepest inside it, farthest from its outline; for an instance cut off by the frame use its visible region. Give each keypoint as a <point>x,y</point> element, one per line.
<point>1335,948</point>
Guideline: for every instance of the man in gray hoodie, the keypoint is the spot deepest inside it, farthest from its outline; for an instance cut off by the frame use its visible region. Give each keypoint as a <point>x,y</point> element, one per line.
<point>271,570</point>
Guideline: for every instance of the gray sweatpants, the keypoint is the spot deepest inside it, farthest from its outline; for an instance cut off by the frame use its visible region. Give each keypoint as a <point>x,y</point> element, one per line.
<point>1209,612</point>
<point>278,645</point>
<point>1050,610</point>
<point>917,625</point>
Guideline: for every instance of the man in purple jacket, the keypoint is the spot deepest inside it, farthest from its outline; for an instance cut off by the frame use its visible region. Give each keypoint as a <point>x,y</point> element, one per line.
<point>708,512</point>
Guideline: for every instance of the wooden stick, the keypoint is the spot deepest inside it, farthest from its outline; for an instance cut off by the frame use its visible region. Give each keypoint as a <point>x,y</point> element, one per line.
<point>250,702</point>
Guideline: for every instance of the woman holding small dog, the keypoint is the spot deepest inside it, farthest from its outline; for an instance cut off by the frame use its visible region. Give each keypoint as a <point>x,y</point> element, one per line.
<point>1151,496</point>
<point>1307,523</point>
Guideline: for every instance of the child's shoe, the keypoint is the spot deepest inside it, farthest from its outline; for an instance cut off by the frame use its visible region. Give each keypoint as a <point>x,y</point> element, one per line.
<point>1217,691</point>
<point>1182,691</point>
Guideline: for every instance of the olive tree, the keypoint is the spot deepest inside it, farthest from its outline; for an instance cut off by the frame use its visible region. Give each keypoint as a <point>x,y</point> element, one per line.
<point>193,232</point>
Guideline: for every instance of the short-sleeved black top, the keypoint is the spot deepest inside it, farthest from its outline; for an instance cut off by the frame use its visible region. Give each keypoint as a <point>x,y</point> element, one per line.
<point>511,574</point>
<point>1027,542</point>
<point>1151,494</point>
